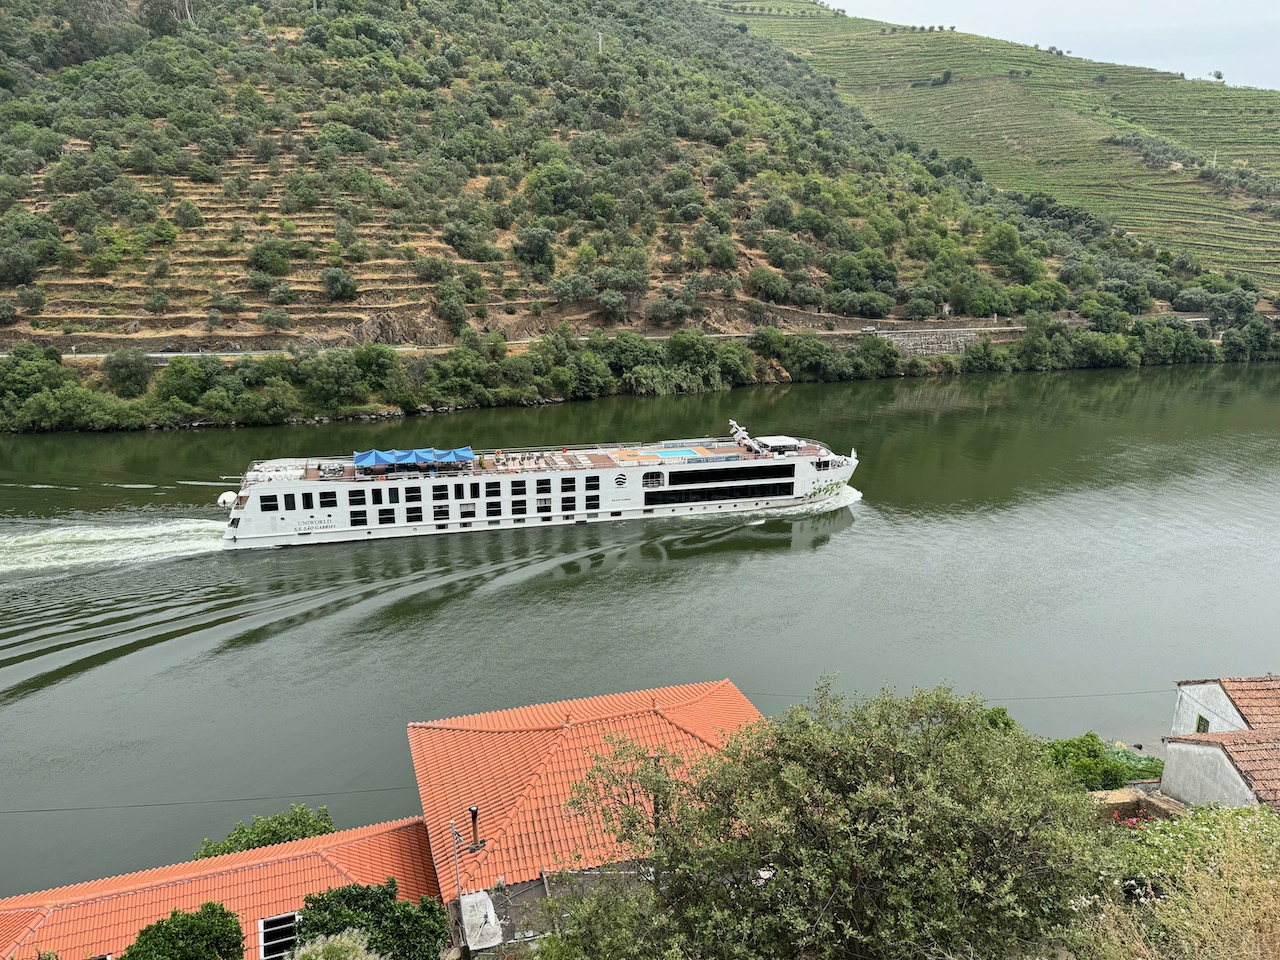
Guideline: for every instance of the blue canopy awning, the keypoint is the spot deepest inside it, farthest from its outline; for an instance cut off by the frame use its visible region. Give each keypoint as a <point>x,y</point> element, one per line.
<point>374,458</point>
<point>418,455</point>
<point>457,455</point>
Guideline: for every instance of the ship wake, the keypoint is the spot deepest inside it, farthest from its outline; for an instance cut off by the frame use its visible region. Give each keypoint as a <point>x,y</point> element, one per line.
<point>101,544</point>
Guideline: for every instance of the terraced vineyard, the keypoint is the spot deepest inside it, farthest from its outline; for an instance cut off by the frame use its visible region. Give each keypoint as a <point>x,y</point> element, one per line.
<point>1038,120</point>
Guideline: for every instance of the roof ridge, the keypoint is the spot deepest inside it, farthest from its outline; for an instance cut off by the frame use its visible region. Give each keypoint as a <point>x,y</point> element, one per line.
<point>45,913</point>
<point>682,727</point>
<point>136,880</point>
<point>697,692</point>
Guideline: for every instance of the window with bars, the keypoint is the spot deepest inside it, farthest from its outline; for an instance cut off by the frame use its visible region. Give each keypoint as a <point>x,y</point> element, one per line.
<point>493,508</point>
<point>412,514</point>
<point>359,518</point>
<point>493,488</point>
<point>518,488</point>
<point>412,494</point>
<point>355,498</point>
<point>544,486</point>
<point>269,504</point>
<point>328,498</point>
<point>278,935</point>
<point>593,482</point>
<point>440,512</point>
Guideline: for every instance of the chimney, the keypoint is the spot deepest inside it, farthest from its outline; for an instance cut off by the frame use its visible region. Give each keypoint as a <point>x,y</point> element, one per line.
<point>475,826</point>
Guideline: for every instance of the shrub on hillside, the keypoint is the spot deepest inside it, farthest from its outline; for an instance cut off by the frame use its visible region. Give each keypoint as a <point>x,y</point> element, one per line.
<point>8,312</point>
<point>275,319</point>
<point>271,256</point>
<point>187,214</point>
<point>128,371</point>
<point>337,284</point>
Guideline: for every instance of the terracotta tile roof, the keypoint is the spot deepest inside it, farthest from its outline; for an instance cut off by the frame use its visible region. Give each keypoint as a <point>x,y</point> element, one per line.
<point>1254,753</point>
<point>1257,698</point>
<point>103,916</point>
<point>520,766</point>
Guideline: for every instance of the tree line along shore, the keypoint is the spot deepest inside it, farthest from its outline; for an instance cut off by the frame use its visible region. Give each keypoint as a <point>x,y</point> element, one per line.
<point>127,391</point>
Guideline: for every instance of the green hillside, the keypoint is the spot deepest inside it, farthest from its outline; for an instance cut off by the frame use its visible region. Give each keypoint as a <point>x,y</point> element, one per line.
<point>399,170</point>
<point>1041,120</point>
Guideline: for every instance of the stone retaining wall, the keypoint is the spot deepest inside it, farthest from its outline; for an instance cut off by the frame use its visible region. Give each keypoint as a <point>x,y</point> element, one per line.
<point>927,343</point>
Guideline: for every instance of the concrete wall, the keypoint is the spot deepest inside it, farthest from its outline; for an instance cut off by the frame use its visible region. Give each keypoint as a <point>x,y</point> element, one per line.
<point>1205,700</point>
<point>1201,773</point>
<point>928,343</point>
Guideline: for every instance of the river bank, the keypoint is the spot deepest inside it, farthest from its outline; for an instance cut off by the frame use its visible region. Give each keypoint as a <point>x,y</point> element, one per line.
<point>41,393</point>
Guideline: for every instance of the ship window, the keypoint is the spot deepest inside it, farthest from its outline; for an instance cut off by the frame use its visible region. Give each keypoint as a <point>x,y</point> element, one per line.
<point>494,523</point>
<point>442,526</point>
<point>544,504</point>
<point>706,494</point>
<point>652,479</point>
<point>459,491</point>
<point>1202,724</point>
<point>519,506</point>
<point>290,502</point>
<point>387,516</point>
<point>466,510</point>
<point>308,501</point>
<point>440,512</point>
<point>475,491</point>
<point>593,502</point>
<point>592,516</point>
<point>279,934</point>
<point>355,498</point>
<point>328,498</point>
<point>412,494</point>
<point>412,514</point>
<point>359,519</point>
<point>464,524</point>
<point>518,488</point>
<point>765,471</point>
<point>823,464</point>
<point>493,508</point>
<point>519,520</point>
<point>568,503</point>
<point>270,503</point>
<point>615,513</point>
<point>393,495</point>
<point>593,482</point>
<point>544,486</point>
<point>493,489</point>
<point>375,496</point>
<point>568,484</point>
<point>234,522</point>
<point>440,491</point>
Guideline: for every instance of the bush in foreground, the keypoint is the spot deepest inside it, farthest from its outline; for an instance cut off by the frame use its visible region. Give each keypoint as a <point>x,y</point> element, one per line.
<point>882,828</point>
<point>210,933</point>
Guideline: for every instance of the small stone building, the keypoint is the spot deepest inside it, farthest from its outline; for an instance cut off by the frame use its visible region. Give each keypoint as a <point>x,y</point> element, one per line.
<point>1225,743</point>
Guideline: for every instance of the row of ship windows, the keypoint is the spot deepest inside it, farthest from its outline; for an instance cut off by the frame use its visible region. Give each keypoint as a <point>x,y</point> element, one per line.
<point>271,503</point>
<point>467,511</point>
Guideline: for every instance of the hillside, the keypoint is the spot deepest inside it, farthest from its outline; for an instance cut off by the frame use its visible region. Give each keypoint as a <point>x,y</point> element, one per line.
<point>1193,163</point>
<point>398,171</point>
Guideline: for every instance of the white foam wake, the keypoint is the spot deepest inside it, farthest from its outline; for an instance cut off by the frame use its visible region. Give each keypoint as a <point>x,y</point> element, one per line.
<point>81,544</point>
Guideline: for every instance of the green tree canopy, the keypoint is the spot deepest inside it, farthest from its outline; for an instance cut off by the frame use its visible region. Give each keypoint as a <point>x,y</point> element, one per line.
<point>296,823</point>
<point>396,928</point>
<point>875,828</point>
<point>210,933</point>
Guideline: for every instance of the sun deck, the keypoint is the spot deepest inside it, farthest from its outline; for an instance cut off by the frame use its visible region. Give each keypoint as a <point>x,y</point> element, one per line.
<point>529,460</point>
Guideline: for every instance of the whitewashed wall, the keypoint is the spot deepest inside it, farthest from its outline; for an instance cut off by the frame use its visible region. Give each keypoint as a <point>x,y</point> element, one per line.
<point>1206,700</point>
<point>1201,773</point>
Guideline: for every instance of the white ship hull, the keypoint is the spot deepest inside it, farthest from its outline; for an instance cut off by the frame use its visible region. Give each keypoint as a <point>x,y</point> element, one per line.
<point>331,500</point>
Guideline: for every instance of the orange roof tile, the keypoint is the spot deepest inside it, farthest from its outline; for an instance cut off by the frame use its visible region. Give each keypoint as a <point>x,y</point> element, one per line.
<point>520,766</point>
<point>104,916</point>
<point>1254,753</point>
<point>1257,698</point>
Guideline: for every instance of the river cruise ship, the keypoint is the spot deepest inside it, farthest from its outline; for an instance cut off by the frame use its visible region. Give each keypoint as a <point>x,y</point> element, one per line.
<point>376,494</point>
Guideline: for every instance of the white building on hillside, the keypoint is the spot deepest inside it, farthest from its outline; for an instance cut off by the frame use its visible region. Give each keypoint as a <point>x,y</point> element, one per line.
<point>1225,743</point>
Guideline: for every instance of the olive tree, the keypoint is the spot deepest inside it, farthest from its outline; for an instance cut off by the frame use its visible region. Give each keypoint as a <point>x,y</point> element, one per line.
<point>880,828</point>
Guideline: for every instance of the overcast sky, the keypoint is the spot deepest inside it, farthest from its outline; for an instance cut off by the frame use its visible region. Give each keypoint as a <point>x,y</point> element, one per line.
<point>1239,37</point>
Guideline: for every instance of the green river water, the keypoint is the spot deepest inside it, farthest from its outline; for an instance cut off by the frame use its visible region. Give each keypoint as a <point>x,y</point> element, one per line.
<point>1066,544</point>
